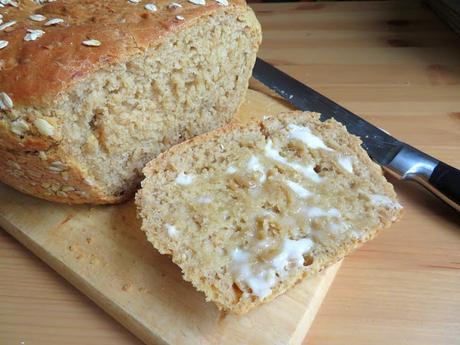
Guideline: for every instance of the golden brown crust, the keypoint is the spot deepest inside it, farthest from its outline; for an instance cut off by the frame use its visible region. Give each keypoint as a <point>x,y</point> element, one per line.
<point>46,176</point>
<point>34,72</point>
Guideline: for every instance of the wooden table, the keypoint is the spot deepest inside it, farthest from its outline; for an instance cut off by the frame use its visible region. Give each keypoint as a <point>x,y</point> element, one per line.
<point>397,65</point>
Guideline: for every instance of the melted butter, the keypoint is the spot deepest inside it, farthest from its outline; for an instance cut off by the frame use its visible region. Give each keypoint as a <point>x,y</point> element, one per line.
<point>299,189</point>
<point>316,212</point>
<point>261,275</point>
<point>305,170</point>
<point>231,170</point>
<point>338,227</point>
<point>260,283</point>
<point>383,200</point>
<point>305,135</point>
<point>171,229</point>
<point>184,179</point>
<point>378,199</point>
<point>271,153</point>
<point>255,165</point>
<point>346,163</point>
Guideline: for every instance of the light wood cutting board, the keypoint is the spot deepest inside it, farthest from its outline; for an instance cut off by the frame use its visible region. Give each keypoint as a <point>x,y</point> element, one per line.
<point>103,253</point>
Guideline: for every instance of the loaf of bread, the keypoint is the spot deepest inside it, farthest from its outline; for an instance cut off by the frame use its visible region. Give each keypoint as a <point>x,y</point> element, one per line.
<point>247,211</point>
<point>91,90</point>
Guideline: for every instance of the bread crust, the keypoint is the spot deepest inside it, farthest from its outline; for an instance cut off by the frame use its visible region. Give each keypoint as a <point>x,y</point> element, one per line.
<point>34,74</point>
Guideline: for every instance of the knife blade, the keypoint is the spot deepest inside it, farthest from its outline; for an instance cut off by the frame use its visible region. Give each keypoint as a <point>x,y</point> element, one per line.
<point>398,158</point>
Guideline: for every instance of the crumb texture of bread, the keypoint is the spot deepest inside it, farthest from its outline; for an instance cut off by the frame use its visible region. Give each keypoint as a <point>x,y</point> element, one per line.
<point>84,106</point>
<point>247,211</point>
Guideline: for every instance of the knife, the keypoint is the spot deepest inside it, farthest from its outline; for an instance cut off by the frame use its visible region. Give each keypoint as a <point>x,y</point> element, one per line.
<point>399,159</point>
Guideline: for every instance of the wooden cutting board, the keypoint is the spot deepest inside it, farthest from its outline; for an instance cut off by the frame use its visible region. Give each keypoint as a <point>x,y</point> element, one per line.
<point>103,253</point>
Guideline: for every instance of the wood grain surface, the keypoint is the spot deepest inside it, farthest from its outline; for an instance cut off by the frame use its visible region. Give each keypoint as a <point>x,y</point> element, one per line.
<point>398,66</point>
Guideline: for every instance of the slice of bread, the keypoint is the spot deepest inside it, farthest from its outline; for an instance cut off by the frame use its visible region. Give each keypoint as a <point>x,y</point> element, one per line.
<point>247,211</point>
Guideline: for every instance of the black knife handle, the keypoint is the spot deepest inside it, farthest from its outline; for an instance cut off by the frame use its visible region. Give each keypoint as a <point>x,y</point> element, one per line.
<point>446,179</point>
<point>437,177</point>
